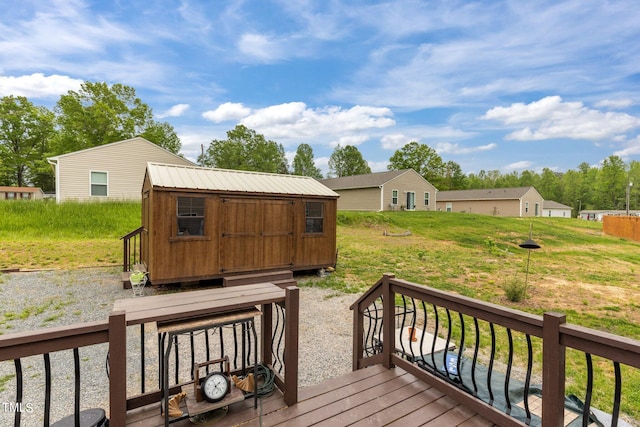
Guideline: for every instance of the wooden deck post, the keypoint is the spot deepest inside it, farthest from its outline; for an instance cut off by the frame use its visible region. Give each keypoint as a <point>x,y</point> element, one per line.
<point>388,321</point>
<point>117,368</point>
<point>292,307</point>
<point>358,338</point>
<point>553,370</point>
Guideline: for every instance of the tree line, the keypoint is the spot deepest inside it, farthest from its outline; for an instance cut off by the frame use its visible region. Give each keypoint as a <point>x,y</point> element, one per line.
<point>99,114</point>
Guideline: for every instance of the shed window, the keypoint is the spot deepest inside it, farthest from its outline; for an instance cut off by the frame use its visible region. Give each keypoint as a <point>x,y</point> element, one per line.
<point>314,215</point>
<point>394,197</point>
<point>99,184</point>
<point>190,216</point>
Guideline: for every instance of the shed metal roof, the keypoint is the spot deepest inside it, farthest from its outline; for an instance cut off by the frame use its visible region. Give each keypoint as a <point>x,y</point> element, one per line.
<point>225,180</point>
<point>484,194</point>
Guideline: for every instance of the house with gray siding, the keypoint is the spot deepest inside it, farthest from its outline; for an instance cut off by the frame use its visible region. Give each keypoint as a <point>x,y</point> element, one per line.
<point>515,202</point>
<point>108,172</point>
<point>384,191</point>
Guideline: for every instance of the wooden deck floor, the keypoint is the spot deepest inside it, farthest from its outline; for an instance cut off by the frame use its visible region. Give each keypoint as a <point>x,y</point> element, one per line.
<point>374,397</point>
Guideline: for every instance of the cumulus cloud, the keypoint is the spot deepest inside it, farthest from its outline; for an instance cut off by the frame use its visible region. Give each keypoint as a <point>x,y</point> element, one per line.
<point>521,165</point>
<point>394,141</point>
<point>294,120</point>
<point>632,148</point>
<point>38,85</point>
<point>227,111</point>
<point>551,118</point>
<point>354,140</point>
<point>175,111</point>
<point>450,148</point>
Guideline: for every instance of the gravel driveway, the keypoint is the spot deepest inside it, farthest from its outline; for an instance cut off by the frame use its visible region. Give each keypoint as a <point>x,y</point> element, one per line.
<point>35,300</point>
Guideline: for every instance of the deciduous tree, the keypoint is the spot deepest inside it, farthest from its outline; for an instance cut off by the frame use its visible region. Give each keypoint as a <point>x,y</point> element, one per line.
<point>245,149</point>
<point>303,163</point>
<point>347,161</point>
<point>24,135</point>
<point>421,158</point>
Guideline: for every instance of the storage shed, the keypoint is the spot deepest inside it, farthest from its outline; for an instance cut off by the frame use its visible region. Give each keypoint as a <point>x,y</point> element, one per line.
<point>201,223</point>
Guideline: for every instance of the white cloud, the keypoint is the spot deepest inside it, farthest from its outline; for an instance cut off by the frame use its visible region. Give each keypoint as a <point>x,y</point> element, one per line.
<point>227,111</point>
<point>551,118</point>
<point>394,141</point>
<point>294,121</point>
<point>378,166</point>
<point>354,140</point>
<point>521,165</point>
<point>615,103</point>
<point>450,148</point>
<point>38,85</point>
<point>261,47</point>
<point>632,148</point>
<point>175,111</point>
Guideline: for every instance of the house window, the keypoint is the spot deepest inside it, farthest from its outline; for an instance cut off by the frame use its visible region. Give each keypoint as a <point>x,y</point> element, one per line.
<point>190,216</point>
<point>394,197</point>
<point>537,211</point>
<point>25,195</point>
<point>426,198</point>
<point>526,207</point>
<point>11,195</point>
<point>99,182</point>
<point>448,207</point>
<point>314,216</point>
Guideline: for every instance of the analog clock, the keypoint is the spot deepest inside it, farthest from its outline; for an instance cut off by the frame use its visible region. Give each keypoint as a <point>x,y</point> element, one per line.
<point>215,387</point>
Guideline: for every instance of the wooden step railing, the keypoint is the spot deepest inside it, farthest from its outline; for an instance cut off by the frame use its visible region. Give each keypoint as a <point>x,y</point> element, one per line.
<point>132,249</point>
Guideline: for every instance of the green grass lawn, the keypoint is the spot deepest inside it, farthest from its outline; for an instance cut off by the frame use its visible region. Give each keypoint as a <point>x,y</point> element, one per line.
<point>592,277</point>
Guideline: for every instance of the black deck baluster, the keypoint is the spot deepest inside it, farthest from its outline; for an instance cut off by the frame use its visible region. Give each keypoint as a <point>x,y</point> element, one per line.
<point>18,366</point>
<point>249,328</point>
<point>161,344</point>
<point>589,392</point>
<point>616,400</point>
<point>435,337</point>
<point>446,346</point>
<point>402,323</point>
<point>280,312</point>
<point>491,359</point>
<point>47,388</point>
<point>460,350</point>
<point>424,328</point>
<point>76,369</point>
<point>507,377</point>
<point>527,382</point>
<point>413,327</point>
<point>221,334</point>
<point>235,347</point>
<point>142,357</point>
<point>377,330</point>
<point>474,362</point>
<point>367,334</point>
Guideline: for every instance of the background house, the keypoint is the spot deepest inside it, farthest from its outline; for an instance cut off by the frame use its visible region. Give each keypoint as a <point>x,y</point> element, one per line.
<point>108,172</point>
<point>202,223</point>
<point>518,202</point>
<point>384,191</point>
<point>21,193</point>
<point>555,209</point>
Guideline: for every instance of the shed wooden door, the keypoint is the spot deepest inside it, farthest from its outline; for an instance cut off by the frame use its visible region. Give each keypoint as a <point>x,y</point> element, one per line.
<point>239,235</point>
<point>276,234</point>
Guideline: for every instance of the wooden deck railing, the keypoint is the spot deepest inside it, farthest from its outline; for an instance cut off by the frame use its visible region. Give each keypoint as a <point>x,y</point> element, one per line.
<point>132,249</point>
<point>18,346</point>
<point>499,362</point>
<point>133,385</point>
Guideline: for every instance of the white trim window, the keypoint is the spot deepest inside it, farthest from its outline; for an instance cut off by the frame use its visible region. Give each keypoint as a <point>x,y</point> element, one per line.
<point>394,197</point>
<point>99,183</point>
<point>526,207</point>
<point>314,217</point>
<point>449,207</point>
<point>426,198</point>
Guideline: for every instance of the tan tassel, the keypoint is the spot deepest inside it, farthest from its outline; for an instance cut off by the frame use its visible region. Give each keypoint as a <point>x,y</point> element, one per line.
<point>245,384</point>
<point>174,405</point>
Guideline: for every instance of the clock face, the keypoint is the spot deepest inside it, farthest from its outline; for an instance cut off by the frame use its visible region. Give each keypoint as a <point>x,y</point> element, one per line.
<point>214,387</point>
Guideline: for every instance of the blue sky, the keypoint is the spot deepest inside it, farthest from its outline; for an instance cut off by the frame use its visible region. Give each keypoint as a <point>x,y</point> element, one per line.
<point>506,85</point>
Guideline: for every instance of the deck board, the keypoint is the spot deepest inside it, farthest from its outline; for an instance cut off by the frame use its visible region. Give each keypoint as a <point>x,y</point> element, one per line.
<point>373,396</point>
